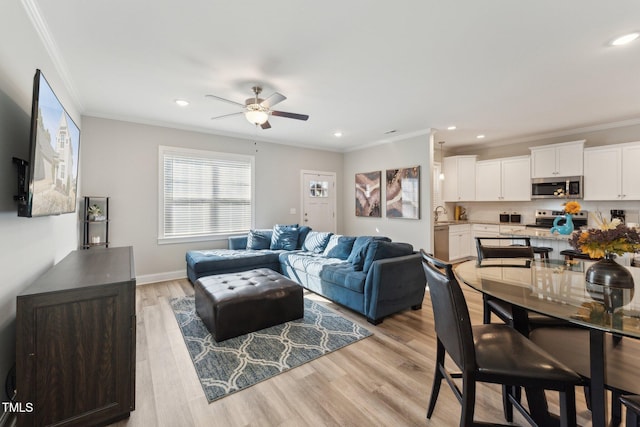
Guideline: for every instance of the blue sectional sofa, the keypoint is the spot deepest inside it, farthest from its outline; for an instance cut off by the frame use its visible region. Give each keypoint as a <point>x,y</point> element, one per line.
<point>369,274</point>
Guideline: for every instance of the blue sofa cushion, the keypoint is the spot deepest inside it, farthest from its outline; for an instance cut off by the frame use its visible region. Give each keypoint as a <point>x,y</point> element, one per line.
<point>359,251</point>
<point>284,237</point>
<point>345,276</point>
<point>379,249</point>
<point>259,239</point>
<point>339,246</point>
<point>316,241</point>
<point>225,259</point>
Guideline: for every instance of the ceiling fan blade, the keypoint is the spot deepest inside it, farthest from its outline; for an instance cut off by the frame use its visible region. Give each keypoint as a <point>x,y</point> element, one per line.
<point>227,115</point>
<point>290,115</point>
<point>265,125</point>
<point>225,100</point>
<point>273,100</point>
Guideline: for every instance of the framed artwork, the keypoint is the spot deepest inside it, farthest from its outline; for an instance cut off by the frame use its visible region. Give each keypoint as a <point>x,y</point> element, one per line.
<point>368,194</point>
<point>403,193</point>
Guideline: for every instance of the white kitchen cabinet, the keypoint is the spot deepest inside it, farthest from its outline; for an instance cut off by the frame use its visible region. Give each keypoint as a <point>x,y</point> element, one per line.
<point>505,179</point>
<point>612,172</point>
<point>459,178</point>
<point>557,160</point>
<point>459,241</point>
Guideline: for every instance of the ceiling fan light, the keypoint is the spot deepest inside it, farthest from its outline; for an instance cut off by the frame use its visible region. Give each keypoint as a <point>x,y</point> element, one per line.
<point>256,117</point>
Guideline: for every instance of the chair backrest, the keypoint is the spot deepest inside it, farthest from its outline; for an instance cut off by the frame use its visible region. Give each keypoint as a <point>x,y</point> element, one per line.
<point>450,312</point>
<point>520,248</point>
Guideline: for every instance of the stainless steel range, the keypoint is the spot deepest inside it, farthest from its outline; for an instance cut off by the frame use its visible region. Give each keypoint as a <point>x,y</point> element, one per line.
<point>545,218</point>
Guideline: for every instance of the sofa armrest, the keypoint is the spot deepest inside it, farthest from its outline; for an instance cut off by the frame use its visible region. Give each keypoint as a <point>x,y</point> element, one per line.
<point>238,242</point>
<point>394,284</point>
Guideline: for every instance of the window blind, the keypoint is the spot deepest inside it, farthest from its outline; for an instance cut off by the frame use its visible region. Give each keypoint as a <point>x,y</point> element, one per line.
<point>204,193</point>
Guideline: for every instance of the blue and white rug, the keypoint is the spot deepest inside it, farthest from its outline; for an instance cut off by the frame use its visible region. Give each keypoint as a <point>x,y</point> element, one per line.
<point>238,363</point>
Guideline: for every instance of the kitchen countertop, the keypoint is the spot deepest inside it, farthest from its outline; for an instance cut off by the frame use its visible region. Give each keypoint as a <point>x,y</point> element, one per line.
<point>537,233</point>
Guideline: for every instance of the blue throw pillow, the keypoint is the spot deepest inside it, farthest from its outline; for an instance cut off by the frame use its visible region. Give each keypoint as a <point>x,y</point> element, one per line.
<point>259,239</point>
<point>284,237</point>
<point>302,235</point>
<point>339,247</point>
<point>316,241</point>
<point>378,249</point>
<point>359,251</point>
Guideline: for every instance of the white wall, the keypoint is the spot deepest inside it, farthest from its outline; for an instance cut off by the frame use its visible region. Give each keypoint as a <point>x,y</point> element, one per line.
<point>120,159</point>
<point>398,154</point>
<point>28,246</point>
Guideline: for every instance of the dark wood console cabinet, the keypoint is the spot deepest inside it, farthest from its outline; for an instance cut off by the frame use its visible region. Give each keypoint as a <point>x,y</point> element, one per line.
<point>76,340</point>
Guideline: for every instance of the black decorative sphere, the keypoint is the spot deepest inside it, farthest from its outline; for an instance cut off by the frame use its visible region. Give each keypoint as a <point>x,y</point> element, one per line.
<point>610,283</point>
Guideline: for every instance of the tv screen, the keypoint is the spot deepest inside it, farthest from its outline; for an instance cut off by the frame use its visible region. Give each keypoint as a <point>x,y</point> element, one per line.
<point>53,161</point>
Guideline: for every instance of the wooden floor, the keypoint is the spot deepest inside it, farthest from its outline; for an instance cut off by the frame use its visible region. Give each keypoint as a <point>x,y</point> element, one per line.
<point>383,380</point>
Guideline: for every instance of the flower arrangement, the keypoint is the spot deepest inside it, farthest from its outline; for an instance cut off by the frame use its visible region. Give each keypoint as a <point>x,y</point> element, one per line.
<point>572,207</point>
<point>610,237</point>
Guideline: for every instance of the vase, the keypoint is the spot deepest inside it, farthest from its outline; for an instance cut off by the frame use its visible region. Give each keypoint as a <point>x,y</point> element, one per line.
<point>610,283</point>
<point>566,228</point>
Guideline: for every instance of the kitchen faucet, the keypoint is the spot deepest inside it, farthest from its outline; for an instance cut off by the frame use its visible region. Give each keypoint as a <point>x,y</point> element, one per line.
<point>435,211</point>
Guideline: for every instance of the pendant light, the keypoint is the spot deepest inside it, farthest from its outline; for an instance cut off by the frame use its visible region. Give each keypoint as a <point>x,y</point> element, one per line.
<point>441,176</point>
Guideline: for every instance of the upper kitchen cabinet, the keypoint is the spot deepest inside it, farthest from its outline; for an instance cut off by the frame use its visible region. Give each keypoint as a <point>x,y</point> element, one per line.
<point>507,179</point>
<point>459,178</point>
<point>557,160</point>
<point>611,172</point>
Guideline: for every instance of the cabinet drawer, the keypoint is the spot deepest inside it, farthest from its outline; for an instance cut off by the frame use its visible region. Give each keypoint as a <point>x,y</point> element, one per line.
<point>459,228</point>
<point>487,228</point>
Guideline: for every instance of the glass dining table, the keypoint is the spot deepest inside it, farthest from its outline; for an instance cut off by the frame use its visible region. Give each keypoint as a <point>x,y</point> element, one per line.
<point>558,289</point>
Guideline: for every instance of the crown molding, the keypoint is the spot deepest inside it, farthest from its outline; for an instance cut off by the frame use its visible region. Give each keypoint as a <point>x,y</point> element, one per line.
<point>50,45</point>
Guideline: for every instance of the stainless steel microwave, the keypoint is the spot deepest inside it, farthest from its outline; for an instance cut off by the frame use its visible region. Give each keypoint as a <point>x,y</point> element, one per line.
<point>553,188</point>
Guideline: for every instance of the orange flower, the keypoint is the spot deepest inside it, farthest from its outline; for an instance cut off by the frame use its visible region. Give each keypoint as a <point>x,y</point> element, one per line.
<point>572,207</point>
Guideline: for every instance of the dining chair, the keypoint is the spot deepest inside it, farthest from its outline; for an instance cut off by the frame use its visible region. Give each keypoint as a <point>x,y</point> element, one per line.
<point>622,363</point>
<point>520,248</point>
<point>632,403</point>
<point>490,353</point>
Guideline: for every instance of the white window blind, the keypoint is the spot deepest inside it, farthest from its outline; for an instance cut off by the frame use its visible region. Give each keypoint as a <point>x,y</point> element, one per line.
<point>204,194</point>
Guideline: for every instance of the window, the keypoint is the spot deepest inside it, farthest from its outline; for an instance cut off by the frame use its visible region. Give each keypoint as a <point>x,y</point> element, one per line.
<point>204,194</point>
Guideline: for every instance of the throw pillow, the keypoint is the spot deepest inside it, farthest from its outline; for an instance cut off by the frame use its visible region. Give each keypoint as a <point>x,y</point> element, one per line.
<point>359,251</point>
<point>339,247</point>
<point>258,239</point>
<point>378,249</point>
<point>284,237</point>
<point>316,241</point>
<point>302,235</point>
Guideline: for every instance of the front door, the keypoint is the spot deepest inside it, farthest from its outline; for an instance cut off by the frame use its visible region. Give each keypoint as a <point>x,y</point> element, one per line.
<point>319,200</point>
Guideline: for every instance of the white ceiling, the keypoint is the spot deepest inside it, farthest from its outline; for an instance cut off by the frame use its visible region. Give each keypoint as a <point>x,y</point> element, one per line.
<point>507,69</point>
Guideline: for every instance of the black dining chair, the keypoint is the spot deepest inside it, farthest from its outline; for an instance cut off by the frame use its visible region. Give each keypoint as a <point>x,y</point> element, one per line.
<point>490,247</point>
<point>490,353</point>
<point>570,345</point>
<point>632,403</point>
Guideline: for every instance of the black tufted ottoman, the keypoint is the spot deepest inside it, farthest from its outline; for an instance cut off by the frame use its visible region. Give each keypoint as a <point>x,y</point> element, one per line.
<point>238,303</point>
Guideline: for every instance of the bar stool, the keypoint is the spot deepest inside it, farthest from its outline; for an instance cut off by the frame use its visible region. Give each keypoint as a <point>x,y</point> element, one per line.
<point>542,251</point>
<point>633,410</point>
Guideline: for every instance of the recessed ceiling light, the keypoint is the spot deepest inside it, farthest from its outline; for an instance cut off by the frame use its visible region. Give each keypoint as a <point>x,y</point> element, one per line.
<point>182,102</point>
<point>337,134</point>
<point>480,136</point>
<point>627,38</point>
<point>451,128</point>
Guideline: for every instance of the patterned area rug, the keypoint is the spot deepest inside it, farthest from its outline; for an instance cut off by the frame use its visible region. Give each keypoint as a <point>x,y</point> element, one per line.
<point>238,363</point>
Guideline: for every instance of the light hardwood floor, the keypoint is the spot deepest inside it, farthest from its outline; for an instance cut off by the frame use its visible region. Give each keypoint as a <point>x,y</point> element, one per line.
<point>383,380</point>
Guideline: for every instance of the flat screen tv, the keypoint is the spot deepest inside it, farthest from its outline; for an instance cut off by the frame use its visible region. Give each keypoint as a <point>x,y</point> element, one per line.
<point>51,174</point>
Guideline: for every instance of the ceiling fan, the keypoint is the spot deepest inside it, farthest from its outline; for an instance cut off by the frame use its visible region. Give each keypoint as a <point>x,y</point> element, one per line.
<point>257,110</point>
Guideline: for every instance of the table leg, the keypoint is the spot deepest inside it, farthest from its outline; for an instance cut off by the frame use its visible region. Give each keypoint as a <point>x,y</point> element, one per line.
<point>598,374</point>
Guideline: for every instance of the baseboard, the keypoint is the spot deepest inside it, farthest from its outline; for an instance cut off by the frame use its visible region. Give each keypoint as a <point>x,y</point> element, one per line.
<point>160,277</point>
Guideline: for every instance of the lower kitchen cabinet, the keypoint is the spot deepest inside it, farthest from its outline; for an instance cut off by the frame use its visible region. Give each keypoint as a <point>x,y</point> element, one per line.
<point>459,241</point>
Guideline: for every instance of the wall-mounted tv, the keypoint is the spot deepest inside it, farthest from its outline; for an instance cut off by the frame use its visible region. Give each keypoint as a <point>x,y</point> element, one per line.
<point>51,174</point>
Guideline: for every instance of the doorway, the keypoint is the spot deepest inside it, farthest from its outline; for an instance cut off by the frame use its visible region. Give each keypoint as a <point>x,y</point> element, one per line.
<point>319,200</point>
